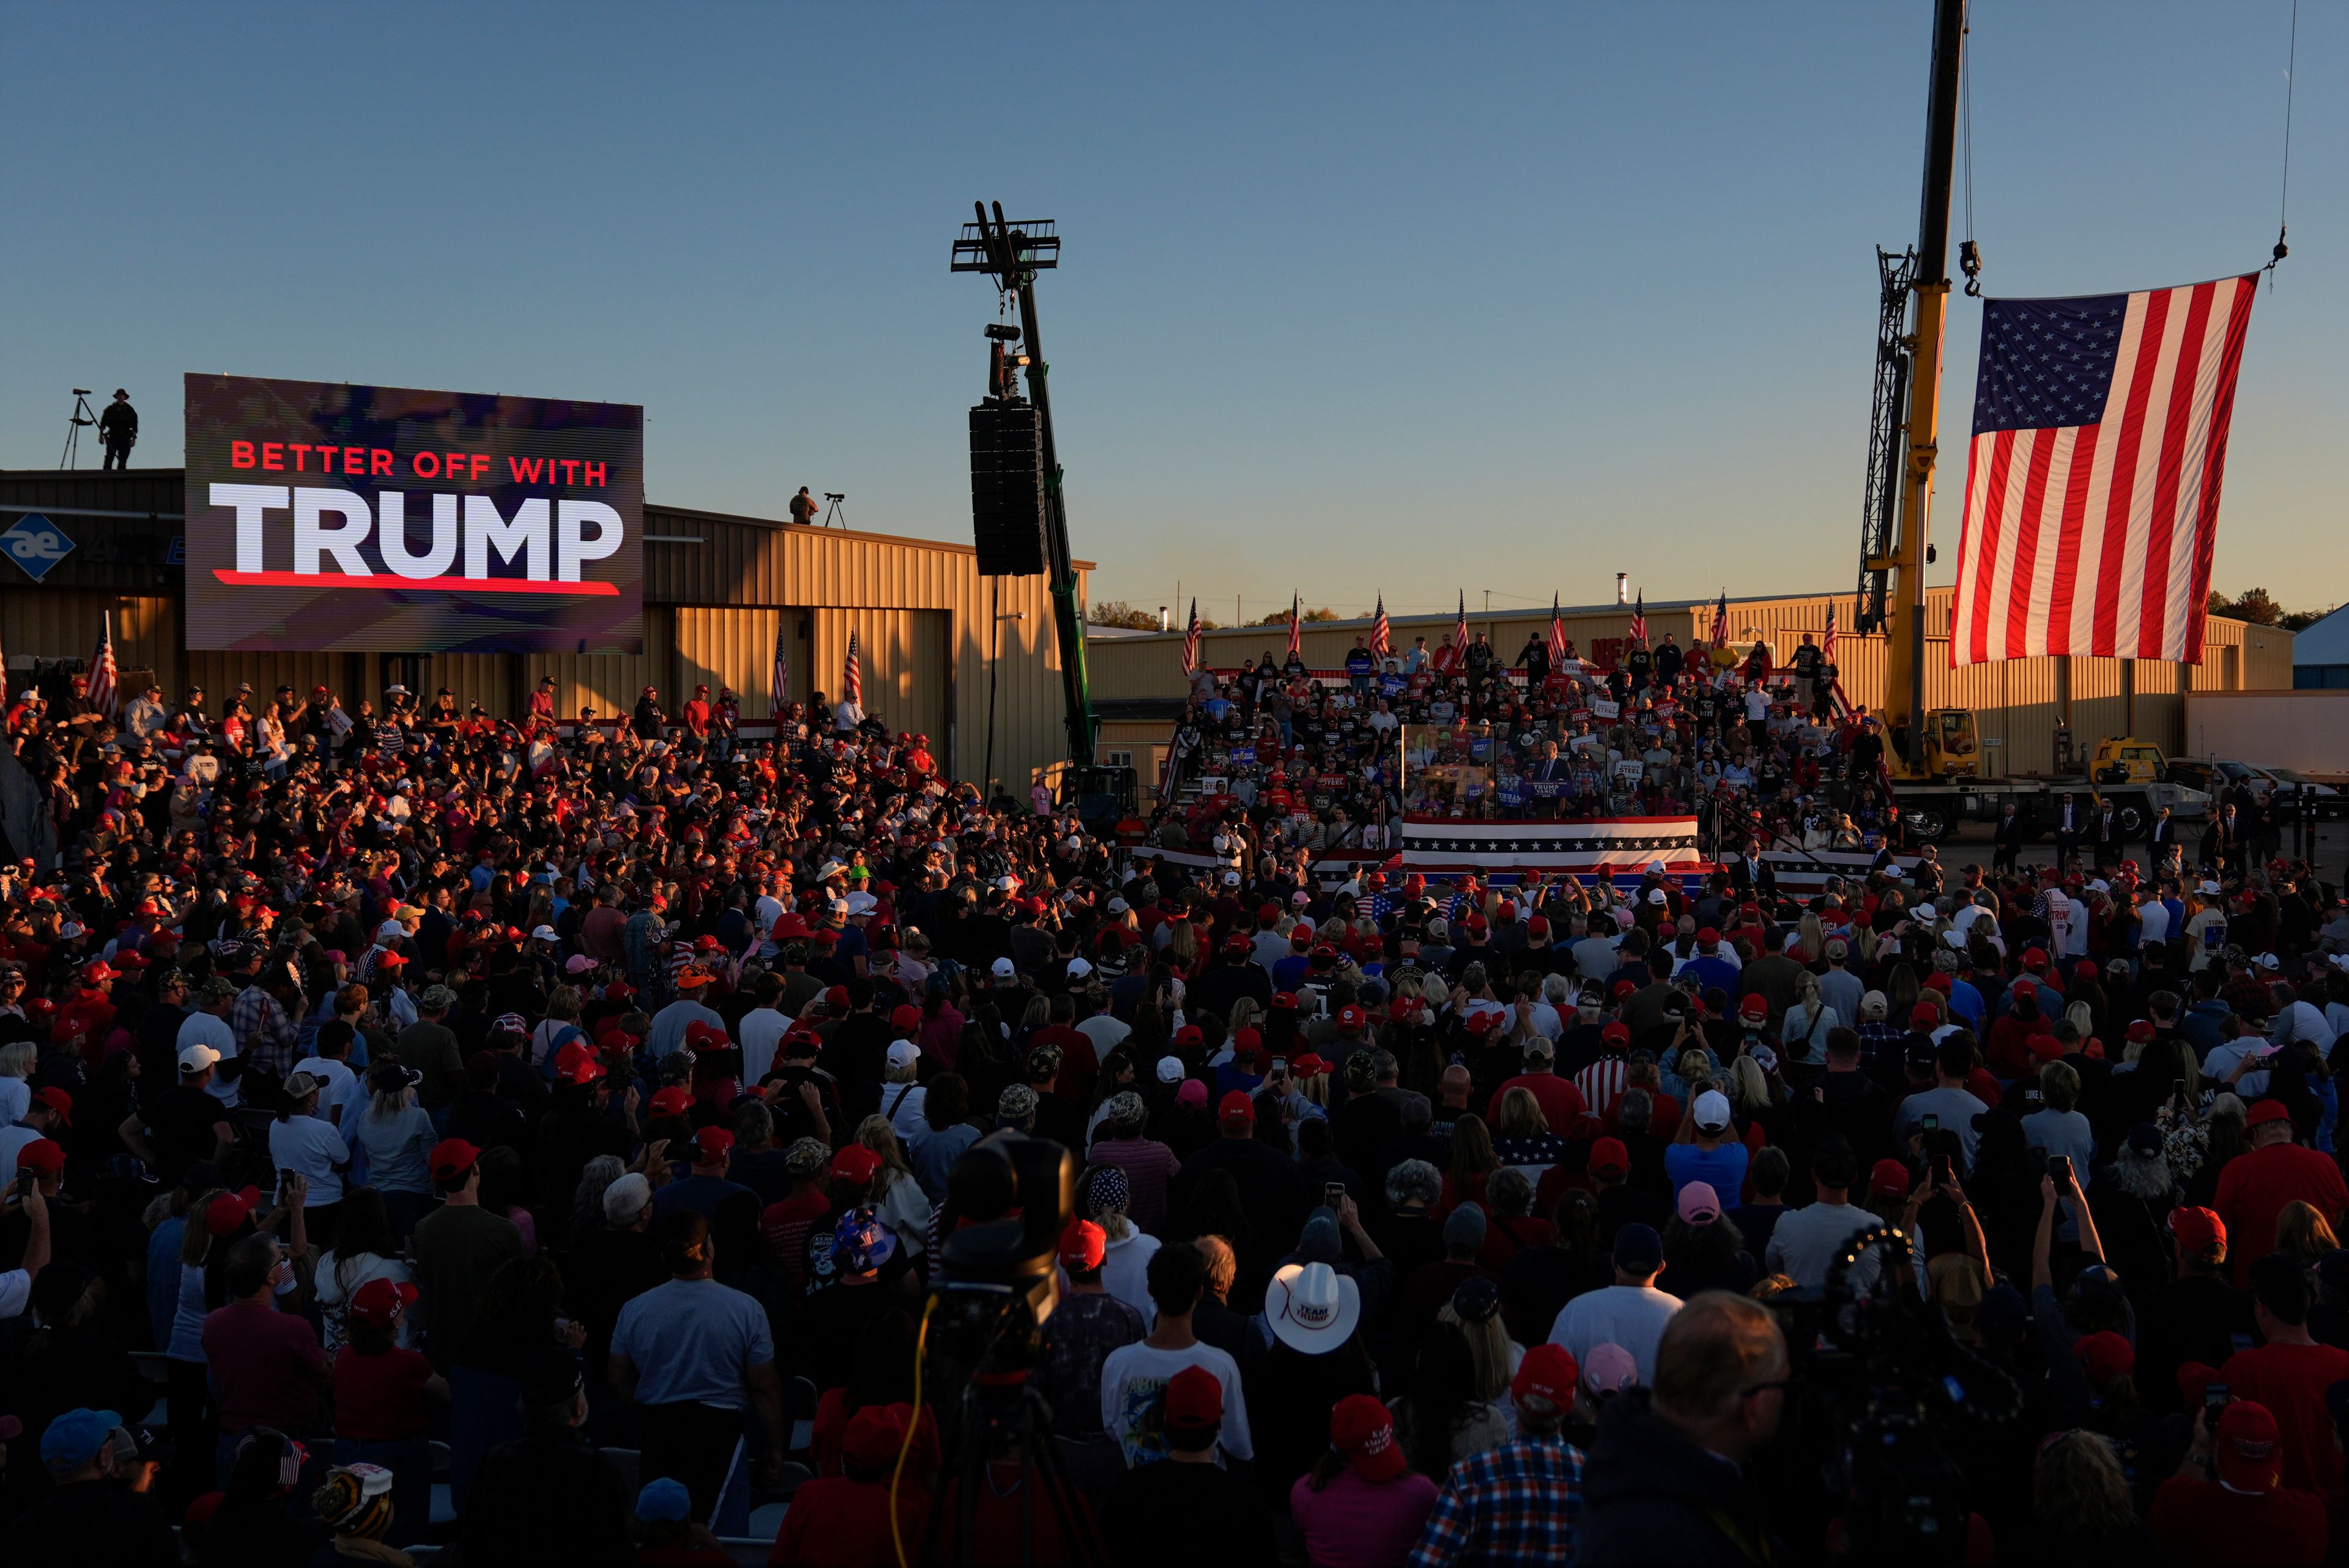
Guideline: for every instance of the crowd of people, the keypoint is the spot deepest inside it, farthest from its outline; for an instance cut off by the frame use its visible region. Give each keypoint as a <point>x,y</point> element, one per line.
<point>1759,746</point>
<point>569,1125</point>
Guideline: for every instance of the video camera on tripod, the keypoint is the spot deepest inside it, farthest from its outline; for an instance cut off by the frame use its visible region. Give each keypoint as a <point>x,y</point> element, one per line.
<point>1881,1377</point>
<point>998,1282</point>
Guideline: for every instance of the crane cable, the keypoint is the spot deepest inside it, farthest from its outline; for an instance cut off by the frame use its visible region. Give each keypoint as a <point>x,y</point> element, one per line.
<point>1969,252</point>
<point>2284,199</point>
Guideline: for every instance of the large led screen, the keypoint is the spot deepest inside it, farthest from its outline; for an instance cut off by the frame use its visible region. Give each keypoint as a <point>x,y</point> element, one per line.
<point>323,516</point>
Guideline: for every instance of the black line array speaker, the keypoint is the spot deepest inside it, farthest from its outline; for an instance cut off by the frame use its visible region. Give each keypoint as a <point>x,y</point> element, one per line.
<point>1006,489</point>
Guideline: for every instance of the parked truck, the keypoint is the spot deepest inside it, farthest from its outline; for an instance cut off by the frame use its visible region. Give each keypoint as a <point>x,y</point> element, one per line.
<point>2130,773</point>
<point>2305,731</point>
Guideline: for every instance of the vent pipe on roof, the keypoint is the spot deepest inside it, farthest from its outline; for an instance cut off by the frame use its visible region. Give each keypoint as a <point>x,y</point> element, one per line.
<point>1622,588</point>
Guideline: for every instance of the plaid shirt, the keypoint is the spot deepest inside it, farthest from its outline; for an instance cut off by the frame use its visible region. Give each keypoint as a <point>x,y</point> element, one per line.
<point>1514,1505</point>
<point>265,1036</point>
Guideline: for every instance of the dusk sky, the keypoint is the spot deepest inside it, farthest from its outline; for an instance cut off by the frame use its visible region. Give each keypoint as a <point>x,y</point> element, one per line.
<point>1353,299</point>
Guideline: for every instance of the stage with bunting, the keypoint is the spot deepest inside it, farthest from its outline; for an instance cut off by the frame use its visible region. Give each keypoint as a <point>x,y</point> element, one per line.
<point>1437,844</point>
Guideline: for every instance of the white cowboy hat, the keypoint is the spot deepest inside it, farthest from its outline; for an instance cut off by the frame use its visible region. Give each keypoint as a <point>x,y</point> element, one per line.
<point>1312,1307</point>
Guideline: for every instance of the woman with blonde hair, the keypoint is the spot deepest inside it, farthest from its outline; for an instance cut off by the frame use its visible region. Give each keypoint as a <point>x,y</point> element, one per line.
<point>904,1207</point>
<point>1182,947</point>
<point>1808,1021</point>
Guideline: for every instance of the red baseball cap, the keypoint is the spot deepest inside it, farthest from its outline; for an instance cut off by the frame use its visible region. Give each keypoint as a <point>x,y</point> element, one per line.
<point>1608,1156</point>
<point>1889,1179</point>
<point>2198,1233</point>
<point>1361,1428</point>
<point>1617,1032</point>
<point>379,1301</point>
<point>673,1101</point>
<point>905,1018</point>
<point>1193,1401</point>
<point>45,1156</point>
<point>57,1100</point>
<point>854,1164</point>
<point>1754,1008</point>
<point>223,1216</point>
<point>1235,1109</point>
<point>2267,1111</point>
<point>1308,1065</point>
<point>1924,1015</point>
<point>1350,1019</point>
<point>451,1158</point>
<point>577,1064</point>
<point>1623,988</point>
<point>712,1144</point>
<point>1548,1373</point>
<point>1287,999</point>
<point>2104,1356</point>
<point>2247,1456</point>
<point>1083,1244</point>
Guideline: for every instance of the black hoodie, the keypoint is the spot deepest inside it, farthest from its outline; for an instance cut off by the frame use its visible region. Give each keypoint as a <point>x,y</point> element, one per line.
<point>1650,1496</point>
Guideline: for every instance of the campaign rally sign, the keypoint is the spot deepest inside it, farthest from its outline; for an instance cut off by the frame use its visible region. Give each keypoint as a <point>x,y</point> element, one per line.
<point>322,517</point>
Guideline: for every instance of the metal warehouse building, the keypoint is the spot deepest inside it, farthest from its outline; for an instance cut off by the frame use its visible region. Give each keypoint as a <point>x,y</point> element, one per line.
<point>1137,678</point>
<point>717,588</point>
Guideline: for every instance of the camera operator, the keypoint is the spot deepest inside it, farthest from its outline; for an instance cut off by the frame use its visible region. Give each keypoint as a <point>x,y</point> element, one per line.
<point>1667,1477</point>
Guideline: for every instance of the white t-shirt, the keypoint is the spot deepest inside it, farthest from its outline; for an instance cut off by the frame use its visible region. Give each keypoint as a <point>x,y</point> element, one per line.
<point>202,1028</point>
<point>15,1099</point>
<point>1805,1240</point>
<point>762,1028</point>
<point>307,1144</point>
<point>1133,1385</point>
<point>1125,1267</point>
<point>1632,1317</point>
<point>341,1096</point>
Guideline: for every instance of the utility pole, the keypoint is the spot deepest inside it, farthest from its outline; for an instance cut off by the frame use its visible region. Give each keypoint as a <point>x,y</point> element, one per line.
<point>1904,689</point>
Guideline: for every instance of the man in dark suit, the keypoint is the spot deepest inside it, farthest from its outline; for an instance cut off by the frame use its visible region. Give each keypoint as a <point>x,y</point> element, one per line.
<point>2112,834</point>
<point>2068,823</point>
<point>2161,844</point>
<point>2006,840</point>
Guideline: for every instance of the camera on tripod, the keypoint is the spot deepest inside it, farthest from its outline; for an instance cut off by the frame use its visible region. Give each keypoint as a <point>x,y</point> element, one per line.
<point>998,1282</point>
<point>1882,1374</point>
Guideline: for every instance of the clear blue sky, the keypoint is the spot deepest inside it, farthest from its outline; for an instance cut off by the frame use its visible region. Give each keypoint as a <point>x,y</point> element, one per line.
<point>1354,298</point>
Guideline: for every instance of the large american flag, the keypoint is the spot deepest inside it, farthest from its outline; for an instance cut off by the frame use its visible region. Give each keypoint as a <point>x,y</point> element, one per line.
<point>102,674</point>
<point>1191,641</point>
<point>779,694</point>
<point>1382,634</point>
<point>852,675</point>
<point>1640,619</point>
<point>1296,632</point>
<point>1557,635</point>
<point>2092,485</point>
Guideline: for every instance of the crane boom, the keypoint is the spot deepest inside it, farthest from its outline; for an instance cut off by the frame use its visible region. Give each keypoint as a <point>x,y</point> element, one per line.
<point>1928,282</point>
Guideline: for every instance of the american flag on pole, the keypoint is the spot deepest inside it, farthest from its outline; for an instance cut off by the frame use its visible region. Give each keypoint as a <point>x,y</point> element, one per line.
<point>2092,485</point>
<point>779,696</point>
<point>1720,633</point>
<point>1382,634</point>
<point>1557,635</point>
<point>1191,641</point>
<point>1640,619</point>
<point>102,674</point>
<point>1460,630</point>
<point>1296,632</point>
<point>852,675</point>
<point>1827,643</point>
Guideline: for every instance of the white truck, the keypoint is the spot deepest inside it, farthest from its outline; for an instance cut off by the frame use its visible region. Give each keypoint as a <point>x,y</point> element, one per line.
<point>2305,732</point>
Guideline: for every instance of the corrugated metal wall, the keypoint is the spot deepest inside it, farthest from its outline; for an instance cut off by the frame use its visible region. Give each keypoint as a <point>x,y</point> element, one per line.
<point>220,673</point>
<point>63,623</point>
<point>902,666</point>
<point>892,585</point>
<point>610,682</point>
